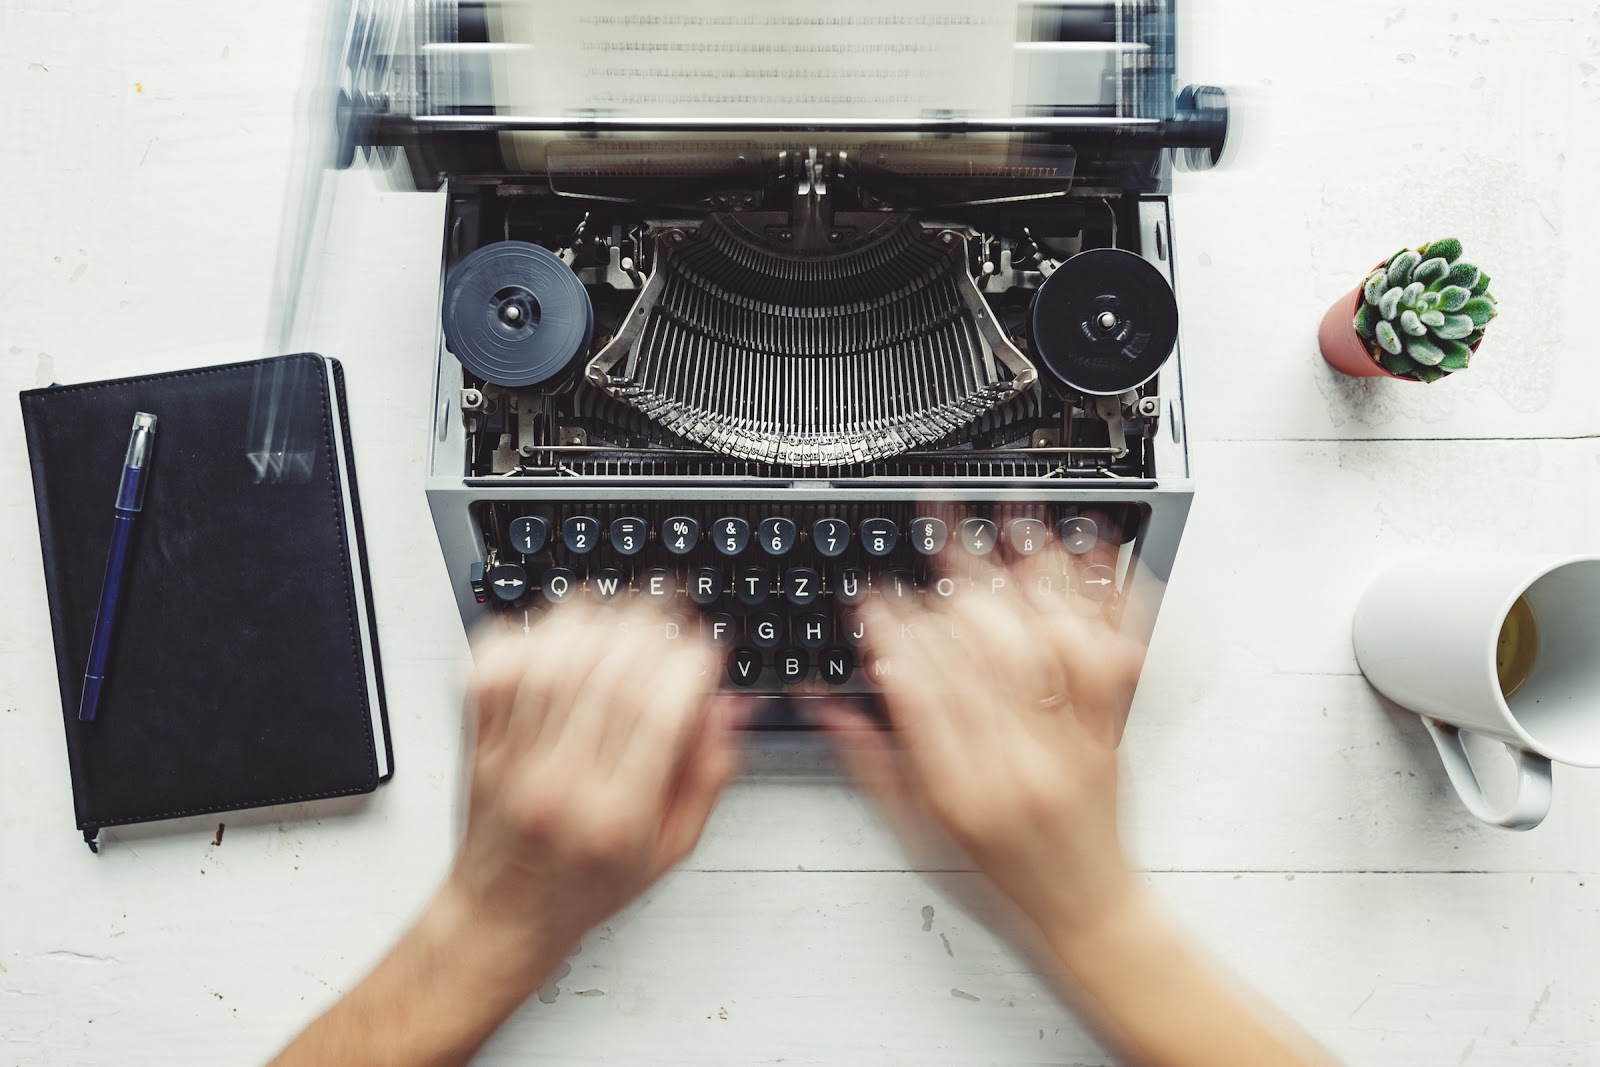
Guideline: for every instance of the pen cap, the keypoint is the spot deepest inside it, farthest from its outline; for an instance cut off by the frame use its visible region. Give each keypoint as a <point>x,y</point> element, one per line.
<point>130,491</point>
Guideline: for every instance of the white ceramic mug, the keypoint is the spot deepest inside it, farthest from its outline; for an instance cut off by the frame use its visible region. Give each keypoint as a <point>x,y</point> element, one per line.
<point>1426,633</point>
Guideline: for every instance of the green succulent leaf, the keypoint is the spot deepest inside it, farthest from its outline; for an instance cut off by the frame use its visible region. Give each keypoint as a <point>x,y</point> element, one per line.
<point>1428,301</point>
<point>1454,297</point>
<point>1430,374</point>
<point>1480,309</point>
<point>1412,294</point>
<point>1462,274</point>
<point>1430,270</point>
<point>1373,289</point>
<point>1424,351</point>
<point>1367,321</point>
<point>1400,364</point>
<point>1389,304</point>
<point>1481,286</point>
<point>1401,266</point>
<point>1411,324</point>
<point>1455,327</point>
<point>1387,338</point>
<point>1446,248</point>
<point>1456,355</point>
<point>1432,318</point>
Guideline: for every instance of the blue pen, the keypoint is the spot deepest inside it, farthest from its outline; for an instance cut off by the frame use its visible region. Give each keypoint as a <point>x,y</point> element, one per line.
<point>130,499</point>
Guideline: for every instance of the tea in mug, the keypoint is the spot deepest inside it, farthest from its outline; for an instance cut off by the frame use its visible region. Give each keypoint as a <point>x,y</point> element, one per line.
<point>1518,647</point>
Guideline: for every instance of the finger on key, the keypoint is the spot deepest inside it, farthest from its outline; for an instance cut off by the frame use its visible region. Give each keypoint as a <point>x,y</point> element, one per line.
<point>1101,665</point>
<point>602,710</point>
<point>965,683</point>
<point>1004,626</point>
<point>563,646</point>
<point>915,696</point>
<point>672,699</point>
<point>623,718</point>
<point>710,761</point>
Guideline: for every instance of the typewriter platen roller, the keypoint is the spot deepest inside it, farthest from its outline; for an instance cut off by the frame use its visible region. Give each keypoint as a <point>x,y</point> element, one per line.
<point>762,339</point>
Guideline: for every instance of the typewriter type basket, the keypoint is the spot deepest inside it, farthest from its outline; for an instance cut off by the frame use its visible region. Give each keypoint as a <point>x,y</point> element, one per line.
<point>764,353</point>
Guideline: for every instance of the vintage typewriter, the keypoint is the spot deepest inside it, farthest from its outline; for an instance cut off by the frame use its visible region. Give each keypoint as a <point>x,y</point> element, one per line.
<point>764,363</point>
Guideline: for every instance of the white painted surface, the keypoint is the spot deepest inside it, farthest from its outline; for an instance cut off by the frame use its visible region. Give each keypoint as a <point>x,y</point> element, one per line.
<point>1303,827</point>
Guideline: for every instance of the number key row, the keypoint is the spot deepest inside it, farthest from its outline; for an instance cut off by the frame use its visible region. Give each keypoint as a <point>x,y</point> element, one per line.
<point>777,536</point>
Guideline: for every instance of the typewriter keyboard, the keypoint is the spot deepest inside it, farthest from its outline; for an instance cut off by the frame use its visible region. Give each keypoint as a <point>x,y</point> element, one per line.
<point>781,586</point>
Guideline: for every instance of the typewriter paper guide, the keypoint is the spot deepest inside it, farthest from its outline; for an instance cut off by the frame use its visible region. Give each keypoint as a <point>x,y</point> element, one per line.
<point>832,59</point>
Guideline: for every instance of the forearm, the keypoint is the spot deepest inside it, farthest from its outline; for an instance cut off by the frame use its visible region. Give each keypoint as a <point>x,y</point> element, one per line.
<point>436,997</point>
<point>1155,999</point>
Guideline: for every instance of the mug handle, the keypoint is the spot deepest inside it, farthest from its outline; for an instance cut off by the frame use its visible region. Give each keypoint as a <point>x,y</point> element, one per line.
<point>1532,802</point>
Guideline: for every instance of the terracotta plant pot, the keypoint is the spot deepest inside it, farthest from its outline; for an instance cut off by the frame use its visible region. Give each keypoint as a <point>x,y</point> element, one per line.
<point>1342,347</point>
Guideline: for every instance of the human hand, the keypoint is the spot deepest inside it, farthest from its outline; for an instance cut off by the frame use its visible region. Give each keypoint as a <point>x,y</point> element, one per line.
<point>598,755</point>
<point>1004,737</point>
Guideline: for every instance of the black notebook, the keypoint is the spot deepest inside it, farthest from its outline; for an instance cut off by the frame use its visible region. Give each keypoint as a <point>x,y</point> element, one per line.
<point>244,669</point>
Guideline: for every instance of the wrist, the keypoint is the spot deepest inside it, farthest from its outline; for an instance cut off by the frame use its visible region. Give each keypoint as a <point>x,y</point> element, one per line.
<point>1122,917</point>
<point>498,959</point>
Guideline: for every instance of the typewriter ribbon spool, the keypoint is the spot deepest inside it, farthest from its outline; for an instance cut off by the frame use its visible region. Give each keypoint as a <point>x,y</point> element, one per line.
<point>1105,322</point>
<point>515,314</point>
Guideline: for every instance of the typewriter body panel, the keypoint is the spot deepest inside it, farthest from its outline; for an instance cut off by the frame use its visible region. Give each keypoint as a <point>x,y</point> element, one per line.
<point>809,361</point>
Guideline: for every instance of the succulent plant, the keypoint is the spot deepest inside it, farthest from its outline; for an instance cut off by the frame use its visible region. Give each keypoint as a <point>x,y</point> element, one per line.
<point>1423,312</point>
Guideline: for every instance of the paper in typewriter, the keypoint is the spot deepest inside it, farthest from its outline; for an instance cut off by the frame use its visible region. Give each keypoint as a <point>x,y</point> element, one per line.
<point>827,59</point>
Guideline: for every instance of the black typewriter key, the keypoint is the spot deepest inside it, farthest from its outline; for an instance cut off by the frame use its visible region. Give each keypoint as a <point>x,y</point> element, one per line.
<point>978,536</point>
<point>607,582</point>
<point>657,583</point>
<point>850,585</point>
<point>750,585</point>
<point>855,628</point>
<point>1097,582</point>
<point>672,627</point>
<point>705,585</point>
<point>813,631</point>
<point>580,533</point>
<point>801,585</point>
<point>897,584</point>
<point>629,534</point>
<point>719,628</point>
<point>793,665</point>
<point>744,666</point>
<point>680,534</point>
<point>766,630</point>
<point>830,537</point>
<point>929,535</point>
<point>529,533</point>
<point>1079,534</point>
<point>1027,536</point>
<point>559,584</point>
<point>508,581</point>
<point>777,536</point>
<point>836,665</point>
<point>879,536</point>
<point>731,535</point>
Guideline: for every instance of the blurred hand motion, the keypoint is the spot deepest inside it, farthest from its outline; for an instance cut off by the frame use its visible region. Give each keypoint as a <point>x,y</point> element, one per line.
<point>1007,702</point>
<point>599,752</point>
<point>601,745</point>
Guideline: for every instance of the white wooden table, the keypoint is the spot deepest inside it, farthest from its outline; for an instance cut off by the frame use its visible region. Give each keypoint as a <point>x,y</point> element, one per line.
<point>1301,826</point>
